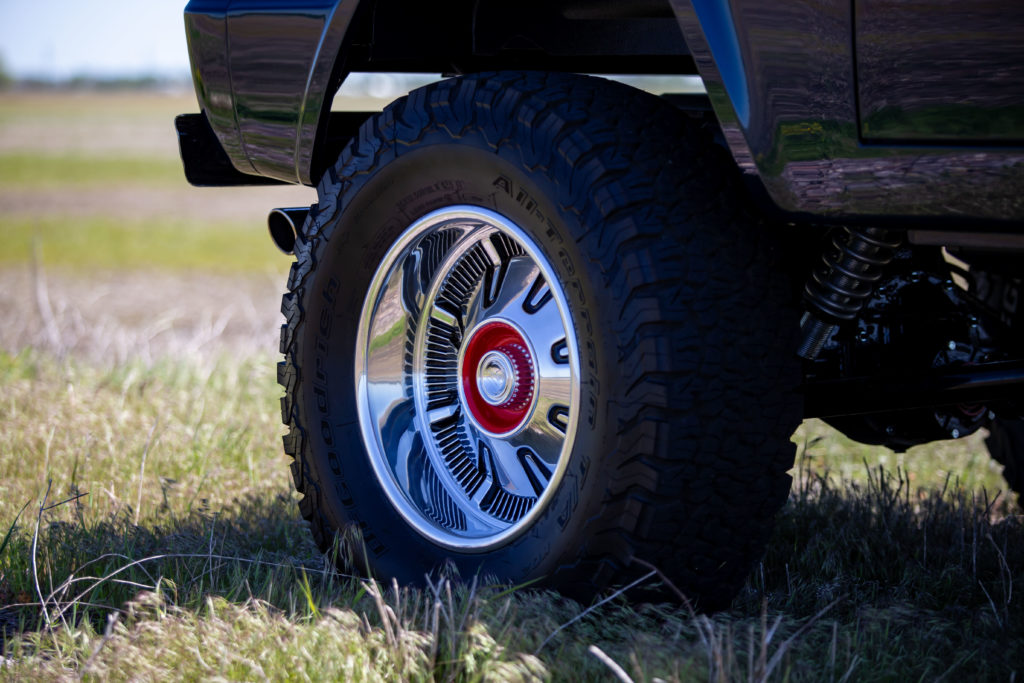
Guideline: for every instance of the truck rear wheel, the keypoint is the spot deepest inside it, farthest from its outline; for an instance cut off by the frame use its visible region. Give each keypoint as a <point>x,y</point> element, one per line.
<point>532,332</point>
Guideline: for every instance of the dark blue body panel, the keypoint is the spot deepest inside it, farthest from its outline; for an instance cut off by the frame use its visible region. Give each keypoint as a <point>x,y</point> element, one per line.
<point>818,100</point>
<point>952,74</point>
<point>803,137</point>
<point>262,71</point>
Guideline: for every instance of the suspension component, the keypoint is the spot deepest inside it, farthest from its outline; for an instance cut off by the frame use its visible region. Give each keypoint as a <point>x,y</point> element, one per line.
<point>836,292</point>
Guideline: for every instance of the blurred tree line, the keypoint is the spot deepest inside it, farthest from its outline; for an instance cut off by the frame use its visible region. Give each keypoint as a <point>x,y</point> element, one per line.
<point>87,82</point>
<point>5,76</point>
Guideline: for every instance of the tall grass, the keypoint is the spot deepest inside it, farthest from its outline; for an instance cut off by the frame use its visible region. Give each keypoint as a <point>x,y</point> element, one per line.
<point>160,538</point>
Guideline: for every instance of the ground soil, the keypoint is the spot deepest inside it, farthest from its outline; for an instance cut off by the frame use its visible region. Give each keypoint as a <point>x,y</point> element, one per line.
<point>111,317</point>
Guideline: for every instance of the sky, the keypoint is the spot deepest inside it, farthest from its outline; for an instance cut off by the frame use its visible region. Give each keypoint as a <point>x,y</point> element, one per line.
<point>61,39</point>
<point>58,39</point>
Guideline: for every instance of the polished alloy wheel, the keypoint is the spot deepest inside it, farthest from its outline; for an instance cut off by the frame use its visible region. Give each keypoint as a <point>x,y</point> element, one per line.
<point>468,378</point>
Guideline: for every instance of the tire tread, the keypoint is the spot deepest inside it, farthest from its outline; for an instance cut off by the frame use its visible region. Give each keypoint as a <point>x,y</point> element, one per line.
<point>691,270</point>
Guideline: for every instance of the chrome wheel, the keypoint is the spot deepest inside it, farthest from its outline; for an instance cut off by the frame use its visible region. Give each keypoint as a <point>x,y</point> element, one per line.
<point>467,378</point>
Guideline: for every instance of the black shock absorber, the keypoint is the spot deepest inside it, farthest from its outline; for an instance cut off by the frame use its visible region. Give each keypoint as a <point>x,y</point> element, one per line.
<point>836,293</point>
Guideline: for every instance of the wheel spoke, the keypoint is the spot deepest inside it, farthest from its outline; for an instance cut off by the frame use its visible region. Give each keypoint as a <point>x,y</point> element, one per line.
<point>444,316</point>
<point>442,413</point>
<point>544,438</point>
<point>495,274</point>
<point>508,473</point>
<point>538,296</point>
<point>412,288</point>
<point>520,275</point>
<point>558,417</point>
<point>560,352</point>
<point>537,471</point>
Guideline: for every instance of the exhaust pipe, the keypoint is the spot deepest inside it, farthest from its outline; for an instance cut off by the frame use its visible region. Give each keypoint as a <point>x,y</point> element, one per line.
<point>284,225</point>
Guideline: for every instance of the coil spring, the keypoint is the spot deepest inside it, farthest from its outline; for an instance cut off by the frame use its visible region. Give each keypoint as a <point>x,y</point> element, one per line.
<point>838,290</point>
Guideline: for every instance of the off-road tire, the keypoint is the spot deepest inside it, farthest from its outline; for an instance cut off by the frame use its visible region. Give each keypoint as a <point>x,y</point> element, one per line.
<point>684,318</point>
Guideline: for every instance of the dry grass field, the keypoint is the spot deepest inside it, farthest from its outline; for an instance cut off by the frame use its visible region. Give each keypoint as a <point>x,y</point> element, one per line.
<point>147,524</point>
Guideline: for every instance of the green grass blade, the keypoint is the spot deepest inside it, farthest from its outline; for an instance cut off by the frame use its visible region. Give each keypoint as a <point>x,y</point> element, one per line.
<point>10,531</point>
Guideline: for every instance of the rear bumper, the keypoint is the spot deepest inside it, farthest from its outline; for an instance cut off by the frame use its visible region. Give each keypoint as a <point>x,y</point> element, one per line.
<point>207,164</point>
<point>205,161</point>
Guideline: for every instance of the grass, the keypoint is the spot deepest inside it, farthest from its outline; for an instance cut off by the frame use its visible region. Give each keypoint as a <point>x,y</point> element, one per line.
<point>166,242</point>
<point>20,170</point>
<point>148,528</point>
<point>180,552</point>
<point>827,453</point>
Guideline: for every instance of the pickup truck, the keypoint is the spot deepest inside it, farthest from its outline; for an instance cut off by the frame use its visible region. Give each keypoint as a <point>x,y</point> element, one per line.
<point>545,326</point>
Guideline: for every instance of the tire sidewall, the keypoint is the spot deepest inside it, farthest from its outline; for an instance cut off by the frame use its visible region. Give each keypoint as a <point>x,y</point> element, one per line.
<point>374,210</point>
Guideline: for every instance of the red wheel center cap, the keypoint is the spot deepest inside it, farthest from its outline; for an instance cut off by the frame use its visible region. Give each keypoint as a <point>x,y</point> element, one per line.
<point>497,377</point>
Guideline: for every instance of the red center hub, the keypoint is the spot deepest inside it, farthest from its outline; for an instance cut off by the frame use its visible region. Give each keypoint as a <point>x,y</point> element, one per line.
<point>497,377</point>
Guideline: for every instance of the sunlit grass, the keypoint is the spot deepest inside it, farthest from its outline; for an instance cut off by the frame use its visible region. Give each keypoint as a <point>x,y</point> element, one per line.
<point>963,463</point>
<point>210,435</point>
<point>61,171</point>
<point>189,531</point>
<point>163,242</point>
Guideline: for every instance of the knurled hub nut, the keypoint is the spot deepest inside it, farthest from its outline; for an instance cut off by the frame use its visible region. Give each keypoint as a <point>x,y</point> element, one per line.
<point>521,384</point>
<point>498,380</point>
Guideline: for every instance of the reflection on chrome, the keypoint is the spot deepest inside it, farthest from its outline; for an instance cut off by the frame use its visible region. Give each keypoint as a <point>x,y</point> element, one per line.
<point>467,378</point>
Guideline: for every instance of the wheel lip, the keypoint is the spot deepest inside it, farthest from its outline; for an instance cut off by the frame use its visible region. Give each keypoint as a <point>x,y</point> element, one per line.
<point>385,477</point>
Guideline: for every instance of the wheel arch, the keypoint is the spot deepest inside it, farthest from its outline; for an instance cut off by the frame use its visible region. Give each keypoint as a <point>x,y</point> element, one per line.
<point>466,36</point>
<point>289,132</point>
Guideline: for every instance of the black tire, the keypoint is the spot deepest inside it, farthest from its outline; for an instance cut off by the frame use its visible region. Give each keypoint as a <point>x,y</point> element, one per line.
<point>683,318</point>
<point>1005,444</point>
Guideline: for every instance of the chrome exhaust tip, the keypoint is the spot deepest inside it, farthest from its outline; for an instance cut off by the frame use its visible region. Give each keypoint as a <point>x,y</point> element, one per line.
<point>284,225</point>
